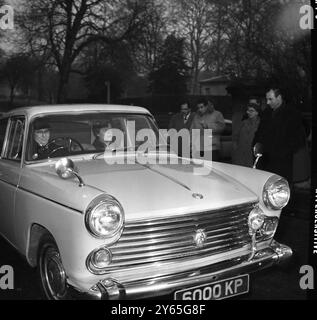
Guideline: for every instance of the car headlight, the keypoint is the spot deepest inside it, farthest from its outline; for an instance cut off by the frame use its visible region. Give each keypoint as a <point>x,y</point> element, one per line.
<point>104,217</point>
<point>276,193</point>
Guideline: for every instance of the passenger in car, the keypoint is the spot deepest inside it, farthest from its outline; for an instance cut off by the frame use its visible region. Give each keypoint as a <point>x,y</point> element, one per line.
<point>104,136</point>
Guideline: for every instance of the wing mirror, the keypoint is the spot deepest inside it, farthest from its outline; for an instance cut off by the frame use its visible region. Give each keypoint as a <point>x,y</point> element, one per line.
<point>258,152</point>
<point>65,169</point>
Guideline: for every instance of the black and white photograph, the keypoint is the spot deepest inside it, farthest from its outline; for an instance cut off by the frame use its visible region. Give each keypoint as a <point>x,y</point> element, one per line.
<point>157,150</point>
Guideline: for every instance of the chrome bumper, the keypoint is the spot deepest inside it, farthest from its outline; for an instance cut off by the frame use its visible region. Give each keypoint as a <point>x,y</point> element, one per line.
<point>159,286</point>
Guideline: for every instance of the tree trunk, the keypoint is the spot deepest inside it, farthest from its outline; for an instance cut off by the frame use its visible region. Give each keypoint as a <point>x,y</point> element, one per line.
<point>195,82</point>
<point>62,87</point>
<point>11,95</point>
<point>40,93</point>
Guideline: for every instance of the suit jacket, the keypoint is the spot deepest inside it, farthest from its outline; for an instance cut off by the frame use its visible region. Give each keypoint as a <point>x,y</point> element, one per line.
<point>178,122</point>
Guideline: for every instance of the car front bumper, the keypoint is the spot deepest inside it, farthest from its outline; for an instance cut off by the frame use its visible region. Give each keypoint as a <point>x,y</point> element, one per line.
<point>109,289</point>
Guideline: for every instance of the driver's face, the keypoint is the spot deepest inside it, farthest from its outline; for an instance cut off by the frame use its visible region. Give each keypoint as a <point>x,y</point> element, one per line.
<point>42,136</point>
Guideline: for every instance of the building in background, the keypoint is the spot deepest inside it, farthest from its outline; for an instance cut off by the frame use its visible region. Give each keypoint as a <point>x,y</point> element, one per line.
<point>214,86</point>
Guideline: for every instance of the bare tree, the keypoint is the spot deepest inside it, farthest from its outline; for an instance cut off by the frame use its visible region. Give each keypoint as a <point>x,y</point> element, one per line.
<point>149,45</point>
<point>61,29</point>
<point>217,55</point>
<point>17,71</point>
<point>195,22</point>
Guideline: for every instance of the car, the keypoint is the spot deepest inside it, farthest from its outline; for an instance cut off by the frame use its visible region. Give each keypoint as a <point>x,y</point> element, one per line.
<point>131,222</point>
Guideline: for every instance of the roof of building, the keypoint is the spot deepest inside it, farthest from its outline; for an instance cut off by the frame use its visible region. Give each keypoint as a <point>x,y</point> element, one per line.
<point>216,79</point>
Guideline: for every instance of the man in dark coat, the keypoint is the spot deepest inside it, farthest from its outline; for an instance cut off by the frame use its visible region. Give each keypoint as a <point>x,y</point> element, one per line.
<point>179,121</point>
<point>183,119</point>
<point>281,135</point>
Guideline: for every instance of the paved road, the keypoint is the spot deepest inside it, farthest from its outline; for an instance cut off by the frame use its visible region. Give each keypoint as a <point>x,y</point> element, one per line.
<point>273,284</point>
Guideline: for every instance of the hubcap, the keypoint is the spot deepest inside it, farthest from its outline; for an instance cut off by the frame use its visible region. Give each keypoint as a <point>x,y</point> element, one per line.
<point>54,274</point>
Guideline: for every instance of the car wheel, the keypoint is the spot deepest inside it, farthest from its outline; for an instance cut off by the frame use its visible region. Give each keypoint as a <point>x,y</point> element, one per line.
<point>51,272</point>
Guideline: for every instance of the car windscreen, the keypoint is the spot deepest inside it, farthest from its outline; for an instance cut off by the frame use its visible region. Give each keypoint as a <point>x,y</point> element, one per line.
<point>70,134</point>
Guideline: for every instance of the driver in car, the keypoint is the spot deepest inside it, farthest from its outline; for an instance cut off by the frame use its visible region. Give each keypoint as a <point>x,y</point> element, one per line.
<point>42,147</point>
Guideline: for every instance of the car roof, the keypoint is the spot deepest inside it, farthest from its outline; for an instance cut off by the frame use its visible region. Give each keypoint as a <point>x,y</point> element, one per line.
<point>47,109</point>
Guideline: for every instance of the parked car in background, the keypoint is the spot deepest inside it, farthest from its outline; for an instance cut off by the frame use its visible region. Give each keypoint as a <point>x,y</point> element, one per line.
<point>129,223</point>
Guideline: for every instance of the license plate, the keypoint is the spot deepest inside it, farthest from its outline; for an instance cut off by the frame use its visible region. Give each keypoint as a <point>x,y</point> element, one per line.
<point>218,290</point>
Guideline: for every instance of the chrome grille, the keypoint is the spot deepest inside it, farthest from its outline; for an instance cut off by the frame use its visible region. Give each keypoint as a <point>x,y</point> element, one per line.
<point>166,239</point>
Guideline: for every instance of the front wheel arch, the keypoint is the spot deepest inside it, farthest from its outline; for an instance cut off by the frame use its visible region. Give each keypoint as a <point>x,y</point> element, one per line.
<point>37,231</point>
<point>50,271</point>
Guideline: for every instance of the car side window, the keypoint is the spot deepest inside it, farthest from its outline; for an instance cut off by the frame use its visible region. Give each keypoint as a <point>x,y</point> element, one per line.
<point>3,130</point>
<point>15,139</point>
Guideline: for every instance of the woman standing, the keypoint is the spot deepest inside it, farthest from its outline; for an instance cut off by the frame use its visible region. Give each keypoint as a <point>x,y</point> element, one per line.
<point>242,141</point>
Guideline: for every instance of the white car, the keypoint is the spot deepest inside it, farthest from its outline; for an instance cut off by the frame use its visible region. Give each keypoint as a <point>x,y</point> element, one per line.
<point>106,225</point>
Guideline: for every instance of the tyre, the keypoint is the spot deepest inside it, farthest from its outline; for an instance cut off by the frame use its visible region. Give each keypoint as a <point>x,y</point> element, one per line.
<point>51,273</point>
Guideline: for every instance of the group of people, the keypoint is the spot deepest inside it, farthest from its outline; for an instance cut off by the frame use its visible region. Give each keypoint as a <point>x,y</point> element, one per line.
<point>279,132</point>
<point>277,129</point>
<point>206,117</point>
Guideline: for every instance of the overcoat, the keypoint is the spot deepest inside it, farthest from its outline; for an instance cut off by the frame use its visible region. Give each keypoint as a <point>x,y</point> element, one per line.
<point>282,134</point>
<point>243,154</point>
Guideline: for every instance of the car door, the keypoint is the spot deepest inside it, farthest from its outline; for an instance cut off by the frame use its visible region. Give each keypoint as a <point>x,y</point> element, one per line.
<point>10,171</point>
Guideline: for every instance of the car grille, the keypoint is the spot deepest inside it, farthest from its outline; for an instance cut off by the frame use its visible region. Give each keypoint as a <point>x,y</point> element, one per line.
<point>157,240</point>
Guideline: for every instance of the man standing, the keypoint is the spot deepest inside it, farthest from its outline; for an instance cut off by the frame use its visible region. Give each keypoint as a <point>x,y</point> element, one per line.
<point>281,135</point>
<point>207,117</point>
<point>181,121</point>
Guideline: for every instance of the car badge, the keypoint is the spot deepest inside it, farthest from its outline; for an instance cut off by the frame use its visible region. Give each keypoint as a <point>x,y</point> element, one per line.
<point>200,238</point>
<point>197,196</point>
